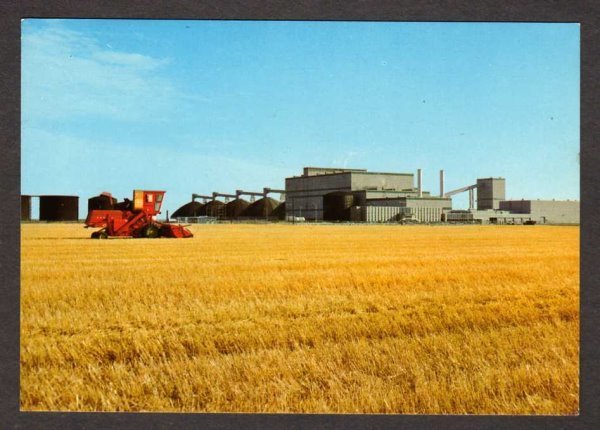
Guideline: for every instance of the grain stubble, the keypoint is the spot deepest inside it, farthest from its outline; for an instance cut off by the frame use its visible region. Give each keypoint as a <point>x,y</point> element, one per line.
<point>301,318</point>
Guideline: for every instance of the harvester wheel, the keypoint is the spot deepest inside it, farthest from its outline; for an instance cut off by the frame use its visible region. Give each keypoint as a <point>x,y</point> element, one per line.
<point>100,235</point>
<point>151,231</point>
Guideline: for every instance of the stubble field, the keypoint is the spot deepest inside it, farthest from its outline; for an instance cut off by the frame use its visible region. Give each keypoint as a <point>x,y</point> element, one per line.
<point>301,318</point>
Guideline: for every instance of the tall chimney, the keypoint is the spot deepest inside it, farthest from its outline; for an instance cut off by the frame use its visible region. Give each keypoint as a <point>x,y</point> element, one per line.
<point>441,183</point>
<point>420,182</point>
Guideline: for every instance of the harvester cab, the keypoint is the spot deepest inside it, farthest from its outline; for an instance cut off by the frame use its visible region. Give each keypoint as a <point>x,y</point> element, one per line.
<point>131,218</point>
<point>148,201</point>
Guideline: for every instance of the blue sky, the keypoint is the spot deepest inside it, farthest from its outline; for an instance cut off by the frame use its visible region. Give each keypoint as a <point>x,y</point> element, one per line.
<point>202,106</point>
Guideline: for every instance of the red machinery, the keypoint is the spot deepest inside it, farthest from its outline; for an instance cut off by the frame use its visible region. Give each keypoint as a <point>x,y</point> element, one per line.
<point>132,218</point>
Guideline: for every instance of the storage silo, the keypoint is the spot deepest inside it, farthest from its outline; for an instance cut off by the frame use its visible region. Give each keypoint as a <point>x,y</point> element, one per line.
<point>25,208</point>
<point>235,208</point>
<point>59,208</point>
<point>336,205</point>
<point>190,209</point>
<point>262,208</point>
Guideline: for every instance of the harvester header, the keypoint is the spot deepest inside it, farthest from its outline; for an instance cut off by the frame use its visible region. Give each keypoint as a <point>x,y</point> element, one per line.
<point>131,218</point>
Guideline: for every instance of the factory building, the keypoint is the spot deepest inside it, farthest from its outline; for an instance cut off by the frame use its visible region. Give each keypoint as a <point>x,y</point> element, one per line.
<point>490,192</point>
<point>356,195</point>
<point>332,194</point>
<point>305,194</point>
<point>489,216</point>
<point>545,211</point>
<point>423,209</point>
<point>519,212</point>
<point>373,214</point>
<point>493,208</point>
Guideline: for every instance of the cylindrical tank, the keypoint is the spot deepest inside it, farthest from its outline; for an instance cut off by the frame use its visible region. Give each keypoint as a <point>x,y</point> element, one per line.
<point>190,209</point>
<point>103,201</point>
<point>59,208</point>
<point>25,208</point>
<point>235,208</point>
<point>262,208</point>
<point>336,206</point>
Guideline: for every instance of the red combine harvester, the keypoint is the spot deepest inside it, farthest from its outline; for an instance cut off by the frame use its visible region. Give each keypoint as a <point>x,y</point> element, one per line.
<point>131,218</point>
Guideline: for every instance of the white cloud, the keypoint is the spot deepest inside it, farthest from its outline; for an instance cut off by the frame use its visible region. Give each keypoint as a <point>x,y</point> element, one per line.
<point>141,62</point>
<point>344,159</point>
<point>66,75</point>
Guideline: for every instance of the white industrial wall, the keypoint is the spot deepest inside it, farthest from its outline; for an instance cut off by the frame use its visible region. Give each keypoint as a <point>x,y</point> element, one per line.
<point>556,212</point>
<point>393,214</point>
<point>382,181</point>
<point>425,214</point>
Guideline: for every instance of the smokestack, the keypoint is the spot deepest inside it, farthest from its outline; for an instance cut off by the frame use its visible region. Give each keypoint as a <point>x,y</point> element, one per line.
<point>471,199</point>
<point>420,182</point>
<point>441,183</point>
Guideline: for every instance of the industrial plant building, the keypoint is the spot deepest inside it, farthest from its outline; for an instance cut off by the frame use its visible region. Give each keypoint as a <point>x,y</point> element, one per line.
<point>344,195</point>
<point>356,195</point>
<point>331,194</point>
<point>545,211</point>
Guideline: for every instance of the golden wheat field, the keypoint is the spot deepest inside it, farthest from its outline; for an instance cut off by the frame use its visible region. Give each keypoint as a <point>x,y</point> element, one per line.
<point>302,318</point>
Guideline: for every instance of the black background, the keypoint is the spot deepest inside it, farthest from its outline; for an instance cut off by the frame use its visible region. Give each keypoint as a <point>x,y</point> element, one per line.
<point>11,12</point>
